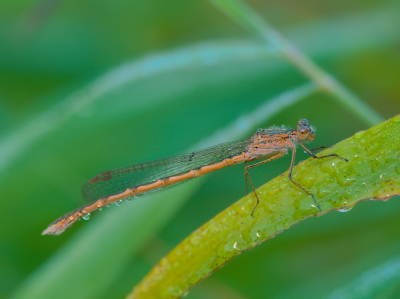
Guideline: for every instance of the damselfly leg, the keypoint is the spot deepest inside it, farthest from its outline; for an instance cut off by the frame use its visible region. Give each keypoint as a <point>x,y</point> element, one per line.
<point>246,174</point>
<point>310,152</point>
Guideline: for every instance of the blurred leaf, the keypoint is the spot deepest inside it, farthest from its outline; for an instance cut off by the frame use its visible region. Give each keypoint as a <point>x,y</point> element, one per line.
<point>115,248</point>
<point>243,14</point>
<point>380,282</point>
<point>200,56</point>
<point>372,173</point>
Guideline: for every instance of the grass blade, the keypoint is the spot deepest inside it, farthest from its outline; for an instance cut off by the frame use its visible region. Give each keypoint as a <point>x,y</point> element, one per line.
<point>372,173</point>
<point>244,15</point>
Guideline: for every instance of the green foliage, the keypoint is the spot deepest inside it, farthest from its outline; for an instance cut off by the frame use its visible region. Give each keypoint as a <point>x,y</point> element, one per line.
<point>372,173</point>
<point>90,86</point>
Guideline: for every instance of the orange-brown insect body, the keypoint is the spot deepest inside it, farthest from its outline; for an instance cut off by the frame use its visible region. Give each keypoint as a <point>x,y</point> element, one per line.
<point>269,143</point>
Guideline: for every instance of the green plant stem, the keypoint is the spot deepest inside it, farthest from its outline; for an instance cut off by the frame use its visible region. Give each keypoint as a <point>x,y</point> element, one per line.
<point>249,19</point>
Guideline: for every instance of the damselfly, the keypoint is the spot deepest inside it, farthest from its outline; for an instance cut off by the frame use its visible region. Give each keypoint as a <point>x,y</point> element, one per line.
<point>137,180</point>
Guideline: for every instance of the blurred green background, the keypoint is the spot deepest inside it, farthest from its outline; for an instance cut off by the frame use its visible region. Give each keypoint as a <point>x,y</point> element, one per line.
<point>88,86</point>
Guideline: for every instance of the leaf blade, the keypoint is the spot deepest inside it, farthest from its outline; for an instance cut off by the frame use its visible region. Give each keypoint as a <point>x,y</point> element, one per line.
<point>372,173</point>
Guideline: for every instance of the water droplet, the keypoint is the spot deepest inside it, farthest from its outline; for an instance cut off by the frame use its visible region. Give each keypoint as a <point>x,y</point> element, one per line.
<point>232,212</point>
<point>109,205</point>
<point>344,210</point>
<point>363,141</point>
<point>118,203</point>
<point>376,166</point>
<point>358,135</point>
<point>86,217</point>
<point>236,242</point>
<point>349,180</point>
<point>309,180</point>
<point>100,209</point>
<point>329,168</point>
<point>128,199</point>
<point>322,192</point>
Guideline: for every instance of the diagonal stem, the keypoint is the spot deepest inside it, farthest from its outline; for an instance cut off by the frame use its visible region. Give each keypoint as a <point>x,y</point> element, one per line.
<point>248,18</point>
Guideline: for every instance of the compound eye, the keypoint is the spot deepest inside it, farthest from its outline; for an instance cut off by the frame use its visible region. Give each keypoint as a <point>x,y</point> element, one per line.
<point>303,132</point>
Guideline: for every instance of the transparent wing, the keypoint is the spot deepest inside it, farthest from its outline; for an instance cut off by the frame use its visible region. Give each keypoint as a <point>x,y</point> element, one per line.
<point>118,180</point>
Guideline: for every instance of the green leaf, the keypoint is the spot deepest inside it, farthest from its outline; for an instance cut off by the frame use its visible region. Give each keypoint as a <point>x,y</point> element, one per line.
<point>372,173</point>
<point>380,282</point>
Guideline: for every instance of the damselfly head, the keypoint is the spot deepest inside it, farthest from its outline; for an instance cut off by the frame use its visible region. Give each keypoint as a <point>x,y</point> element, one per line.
<point>305,131</point>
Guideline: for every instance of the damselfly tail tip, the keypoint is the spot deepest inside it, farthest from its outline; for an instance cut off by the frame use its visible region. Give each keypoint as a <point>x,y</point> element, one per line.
<point>46,232</point>
<point>53,229</point>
